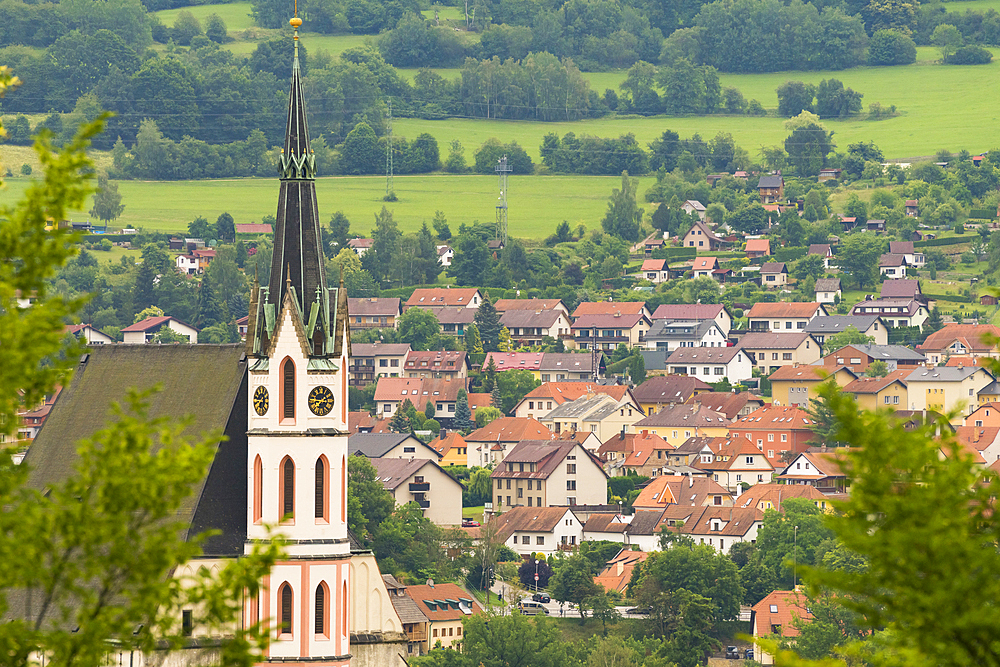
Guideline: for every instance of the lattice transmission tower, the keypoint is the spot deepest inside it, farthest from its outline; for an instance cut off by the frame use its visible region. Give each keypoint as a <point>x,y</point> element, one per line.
<point>502,170</point>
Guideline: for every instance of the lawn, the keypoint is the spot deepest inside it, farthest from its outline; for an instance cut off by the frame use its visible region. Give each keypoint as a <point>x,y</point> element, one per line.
<point>14,156</point>
<point>536,204</point>
<point>475,513</point>
<point>236,15</point>
<point>975,5</point>
<point>925,94</point>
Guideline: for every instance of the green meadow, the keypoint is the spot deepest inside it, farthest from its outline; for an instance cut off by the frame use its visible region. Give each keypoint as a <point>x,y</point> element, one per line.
<point>236,15</point>
<point>536,204</point>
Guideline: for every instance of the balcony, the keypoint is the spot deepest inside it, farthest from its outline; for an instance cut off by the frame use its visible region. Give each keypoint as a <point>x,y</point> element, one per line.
<point>424,504</point>
<point>425,486</point>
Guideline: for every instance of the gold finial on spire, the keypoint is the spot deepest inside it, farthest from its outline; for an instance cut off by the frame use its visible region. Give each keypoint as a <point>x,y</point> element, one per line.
<point>295,22</point>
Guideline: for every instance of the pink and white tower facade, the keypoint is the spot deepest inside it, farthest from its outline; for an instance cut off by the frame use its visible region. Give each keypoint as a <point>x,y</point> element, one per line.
<point>298,345</point>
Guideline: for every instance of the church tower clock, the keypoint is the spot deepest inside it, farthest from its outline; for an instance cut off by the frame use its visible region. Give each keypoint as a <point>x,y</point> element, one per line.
<point>298,344</point>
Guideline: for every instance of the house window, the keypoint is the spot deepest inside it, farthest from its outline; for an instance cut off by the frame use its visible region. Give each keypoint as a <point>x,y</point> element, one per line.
<point>774,356</point>
<point>770,437</point>
<point>718,500</point>
<point>784,437</point>
<point>322,626</point>
<point>749,460</point>
<point>499,484</point>
<point>718,370</point>
<point>539,540</point>
<point>529,500</point>
<point>286,502</point>
<point>786,356</point>
<point>571,485</point>
<point>570,469</point>
<point>285,607</point>
<point>515,539</point>
<point>770,453</point>
<point>520,493</point>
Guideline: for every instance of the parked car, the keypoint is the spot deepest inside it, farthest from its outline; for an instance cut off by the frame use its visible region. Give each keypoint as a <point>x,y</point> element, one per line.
<point>748,654</point>
<point>733,652</point>
<point>541,597</point>
<point>529,608</point>
<point>641,611</point>
<point>469,523</point>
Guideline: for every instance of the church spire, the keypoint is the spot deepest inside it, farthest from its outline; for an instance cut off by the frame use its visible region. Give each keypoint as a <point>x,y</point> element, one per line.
<point>297,266</point>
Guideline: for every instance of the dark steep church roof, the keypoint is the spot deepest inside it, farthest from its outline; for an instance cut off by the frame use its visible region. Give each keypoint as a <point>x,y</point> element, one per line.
<point>205,382</point>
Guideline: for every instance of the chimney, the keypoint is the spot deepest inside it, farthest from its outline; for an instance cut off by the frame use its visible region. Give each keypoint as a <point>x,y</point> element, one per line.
<point>645,433</point>
<point>443,433</point>
<point>430,582</point>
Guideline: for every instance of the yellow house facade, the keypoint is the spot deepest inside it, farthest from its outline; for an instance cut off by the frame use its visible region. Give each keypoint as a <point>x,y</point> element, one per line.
<point>944,389</point>
<point>677,423</point>
<point>798,385</point>
<point>885,392</point>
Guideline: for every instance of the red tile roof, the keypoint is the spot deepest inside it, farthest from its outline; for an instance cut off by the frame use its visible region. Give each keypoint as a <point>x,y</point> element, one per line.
<point>510,429</point>
<point>442,296</point>
<point>253,228</point>
<point>688,311</point>
<point>784,309</point>
<point>776,417</point>
<point>759,245</point>
<point>442,592</point>
<point>528,304</point>
<point>654,265</point>
<point>778,610</point>
<point>970,335</point>
<point>560,392</point>
<point>609,308</point>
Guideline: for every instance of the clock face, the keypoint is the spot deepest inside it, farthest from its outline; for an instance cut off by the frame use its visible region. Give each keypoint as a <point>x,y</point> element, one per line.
<point>321,401</point>
<point>260,400</point>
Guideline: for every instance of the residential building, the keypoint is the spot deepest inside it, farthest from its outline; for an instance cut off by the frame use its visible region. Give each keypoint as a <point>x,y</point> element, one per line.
<point>718,527</point>
<point>446,364</point>
<point>611,308</point>
<point>587,439</point>
<point>444,606</point>
<point>876,225</point>
<point>253,229</point>
<point>563,366</point>
<point>868,325</point>
<point>391,392</point>
<point>655,270</point>
<point>944,389</point>
<point>771,496</point>
<point>702,238</point>
<point>827,174</point>
<point>824,250</point>
<point>413,621</point>
<point>910,255</point>
<point>827,290</point>
<point>389,446</point>
<point>797,385</point>
<point>704,267</point>
<point>89,334</point>
<point>538,402</point>
<point>452,447</point>
<point>894,312</point>
<point>503,305</point>
<point>712,364</point>
<point>360,246</point>
<point>489,445</point>
<point>892,266</point>
<point>961,340</point>
<point>642,453</point>
<point>667,335</point>
<point>548,530</point>
<point>772,350</point>
<point>817,467</point>
<point>457,297</point>
<point>195,261</point>
<point>774,274</point>
<point>776,615</point>
<point>373,313</point>
<point>696,451</point>
<point>607,332</point>
<point>988,414</point>
<point>757,248</point>
<point>546,473</point>
<point>371,361</point>
<point>884,392</point>
<point>677,423</point>
<point>694,206</point>
<point>515,361</point>
<point>771,189</point>
<point>776,429</point>
<point>445,255</point>
<point>145,331</point>
<point>738,464</point>
<point>667,490</point>
<point>453,319</point>
<point>904,288</point>
<point>424,482</point>
<point>662,390</point>
<point>695,312</point>
<point>530,327</point>
<point>783,315</point>
<point>732,404</point>
<point>911,207</point>
<point>597,413</point>
<point>858,356</point>
<point>362,421</point>
<point>617,572</point>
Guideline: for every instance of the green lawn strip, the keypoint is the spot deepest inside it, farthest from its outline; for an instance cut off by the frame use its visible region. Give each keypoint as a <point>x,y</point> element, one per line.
<point>475,513</point>
<point>236,15</point>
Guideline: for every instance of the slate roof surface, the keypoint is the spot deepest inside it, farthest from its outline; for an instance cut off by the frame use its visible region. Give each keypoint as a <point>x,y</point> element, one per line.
<point>773,267</point>
<point>784,309</point>
<point>503,305</point>
<point>836,323</point>
<point>547,455</point>
<point>887,352</point>
<point>900,288</point>
<point>866,385</point>
<point>691,416</point>
<point>379,349</point>
<point>393,472</point>
<point>567,361</point>
<point>529,318</point>
<point>704,355</point>
<point>770,182</point>
<point>668,330</point>
<point>668,389</point>
<point>763,340</point>
<point>531,519</point>
<point>827,285</point>
<point>377,445</point>
<point>942,374</point>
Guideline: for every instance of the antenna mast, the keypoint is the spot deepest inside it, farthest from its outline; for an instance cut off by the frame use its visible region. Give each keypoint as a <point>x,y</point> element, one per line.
<point>502,170</point>
<point>390,195</point>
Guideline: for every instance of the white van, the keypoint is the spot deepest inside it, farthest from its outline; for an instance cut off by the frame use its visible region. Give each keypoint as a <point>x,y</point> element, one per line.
<point>529,608</point>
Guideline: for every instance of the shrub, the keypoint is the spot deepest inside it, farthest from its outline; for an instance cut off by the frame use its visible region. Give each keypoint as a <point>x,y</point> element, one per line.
<point>969,55</point>
<point>891,47</point>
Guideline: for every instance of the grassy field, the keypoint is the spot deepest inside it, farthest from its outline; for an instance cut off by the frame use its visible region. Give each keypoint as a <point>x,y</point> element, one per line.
<point>975,5</point>
<point>536,204</point>
<point>236,15</point>
<point>475,513</point>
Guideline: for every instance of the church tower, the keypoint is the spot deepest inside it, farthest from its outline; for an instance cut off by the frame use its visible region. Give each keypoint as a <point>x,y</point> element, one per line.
<point>298,344</point>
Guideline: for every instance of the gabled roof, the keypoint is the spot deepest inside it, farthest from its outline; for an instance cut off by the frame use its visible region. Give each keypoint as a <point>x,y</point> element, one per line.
<point>774,267</point>
<point>820,249</point>
<point>654,265</point>
<point>705,263</point>
<point>890,259</point>
<point>688,311</point>
<point>731,455</point>
<point>763,340</point>
<point>759,245</point>
<point>560,392</point>
<point>503,305</point>
<point>253,228</point>
<point>776,417</point>
<point>727,403</point>
<point>901,247</point>
<point>644,522</point>
<point>779,609</point>
<point>449,594</point>
<point>880,305</point>
<point>771,496</point>
<point>680,490</point>
<point>377,445</point>
<point>202,382</point>
<point>585,408</point>
<point>770,182</point>
<point>668,389</point>
<point>393,472</point>
<point>530,318</point>
<point>763,309</point>
<point>530,519</point>
<point>967,361</point>
<point>943,374</point>
<point>154,323</point>
<point>610,308</point>
<point>687,415</point>
<point>417,390</point>
<point>808,372</point>
<point>379,349</point>
<point>616,321</point>
<point>450,441</point>
<point>605,523</point>
<point>436,360</point>
<point>835,324</point>
<point>453,314</point>
<point>510,429</point>
<point>405,606</point>
<point>360,243</point>
<point>704,355</point>
<point>630,443</point>
<point>827,285</point>
<point>695,204</point>
<point>567,361</point>
<point>970,335</point>
<point>617,572</point>
<point>884,352</point>
<point>733,521</point>
<point>705,231</point>
<point>360,419</point>
<point>512,361</point>
<point>826,462</point>
<point>866,385</point>
<point>442,296</point>
<point>685,330</point>
<point>384,307</point>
